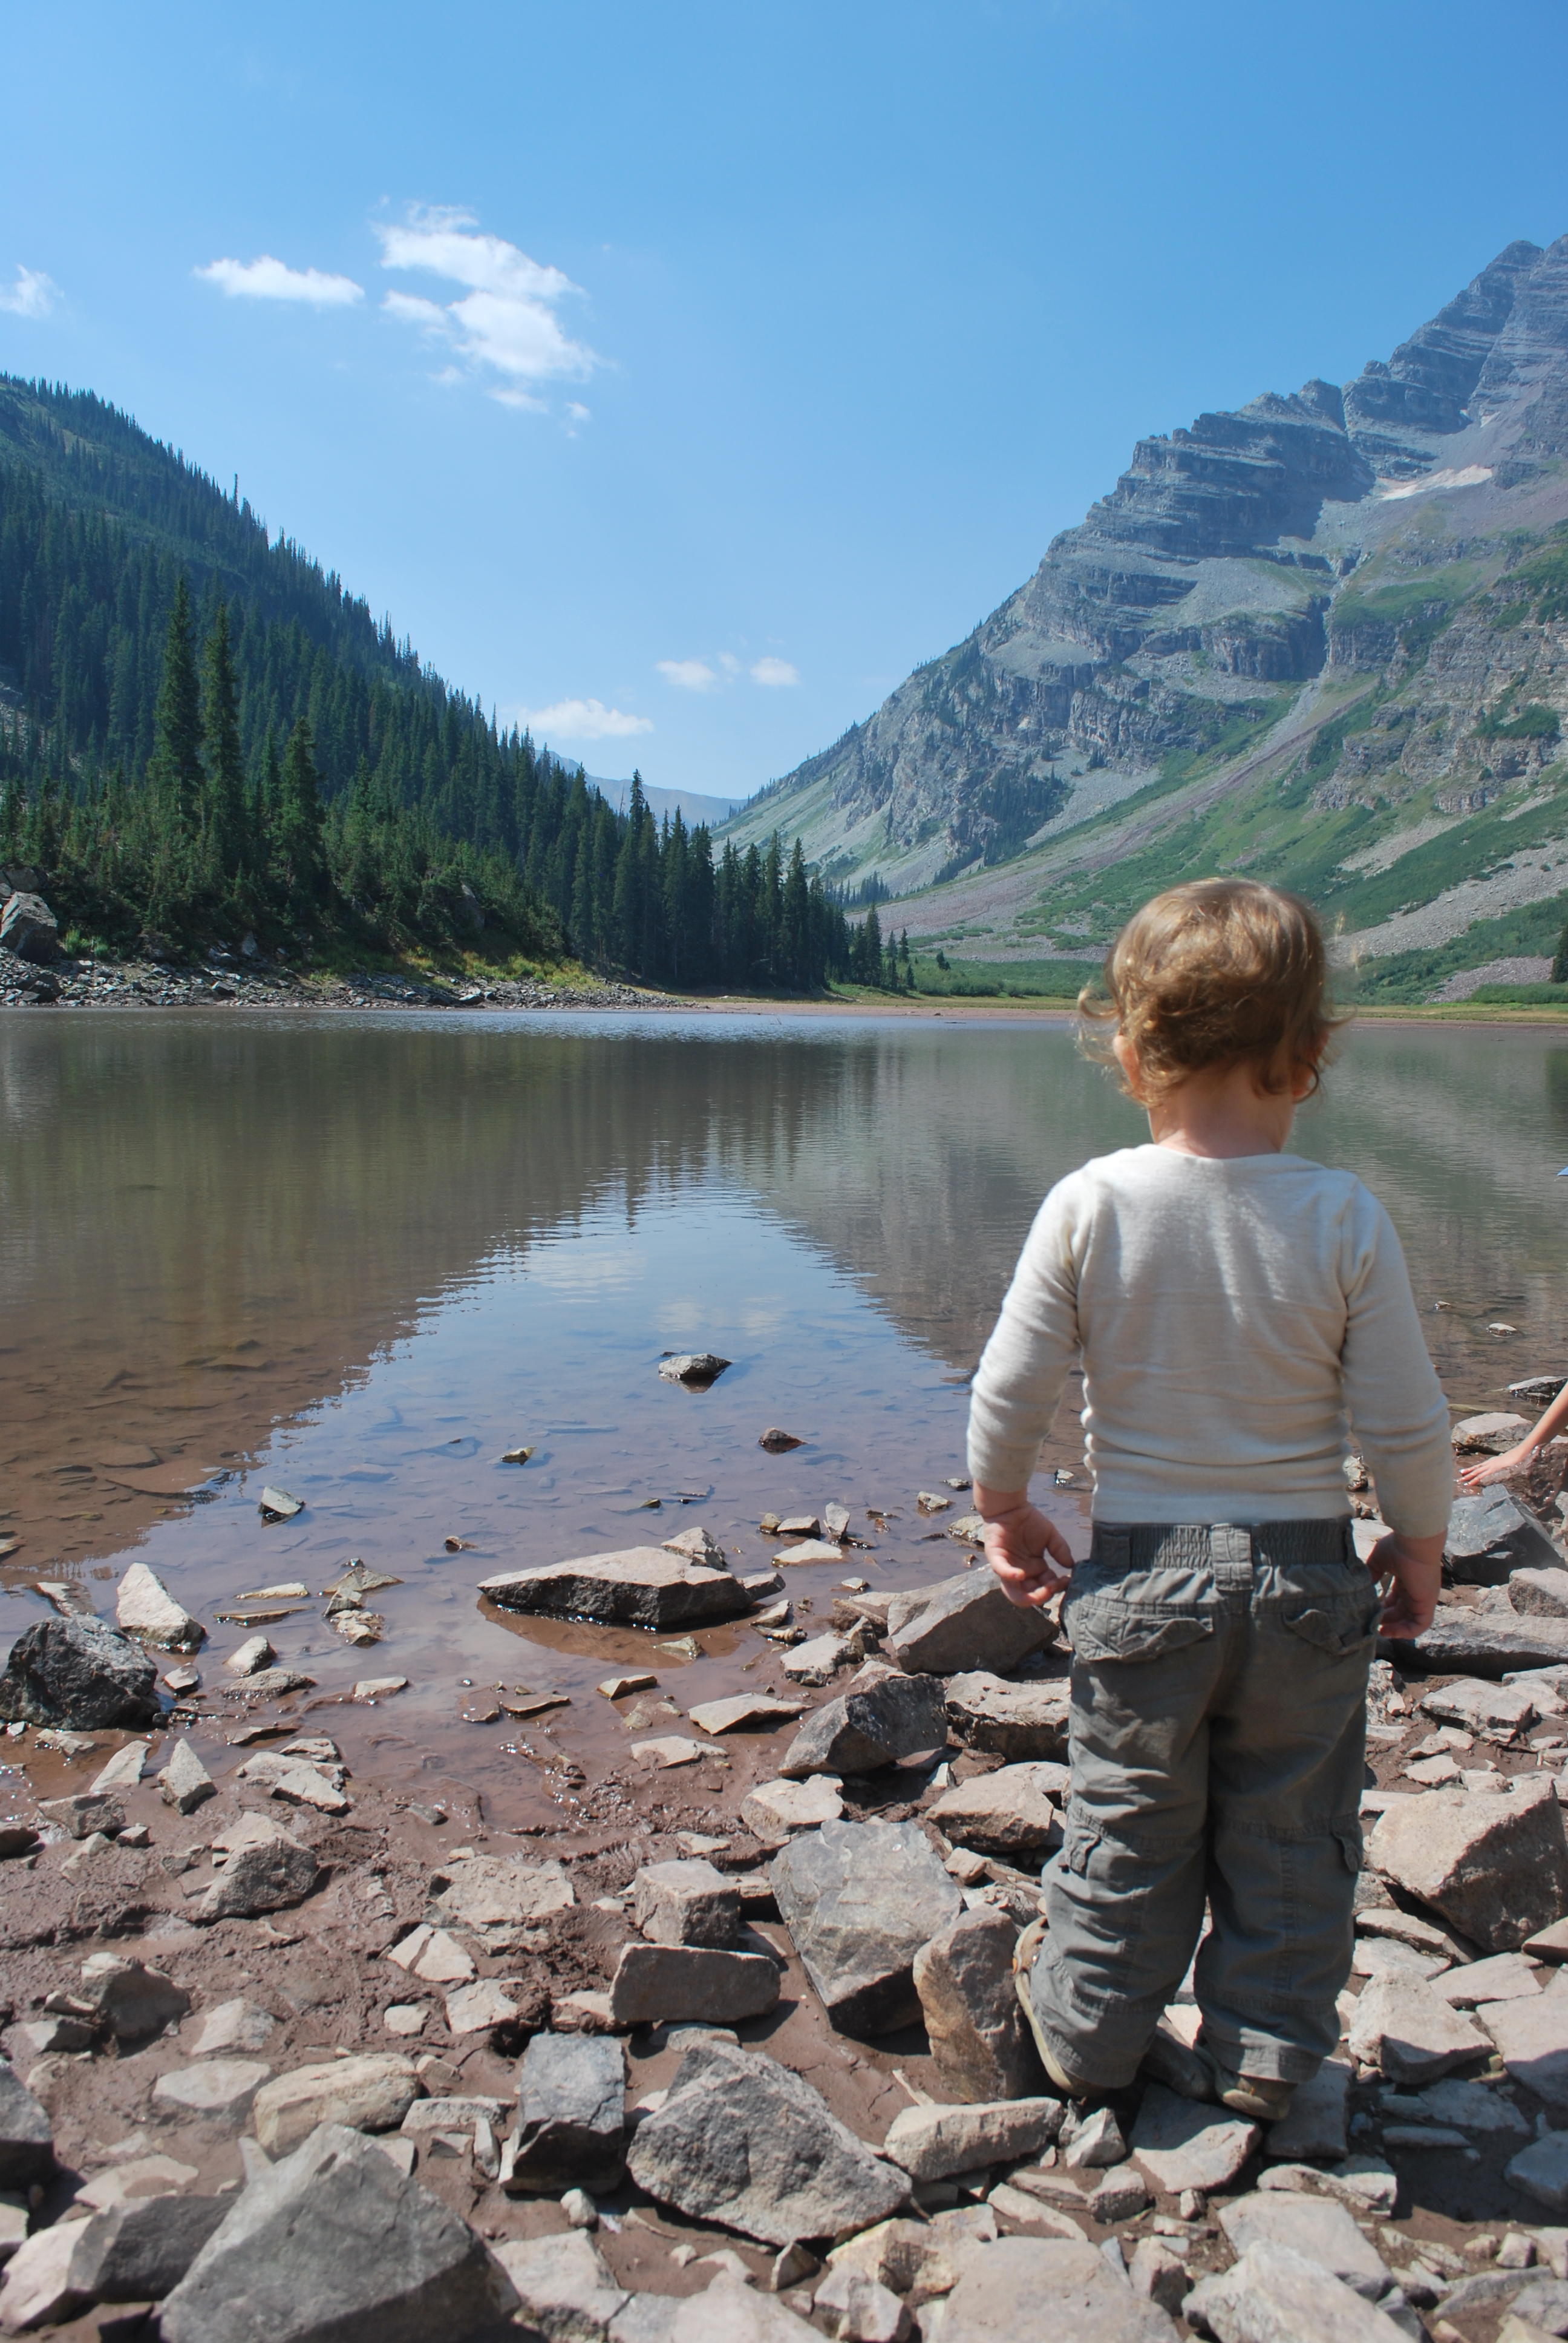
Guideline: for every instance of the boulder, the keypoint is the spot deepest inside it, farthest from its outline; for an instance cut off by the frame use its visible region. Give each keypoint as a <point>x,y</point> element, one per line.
<point>1048,2289</point>
<point>334,2240</point>
<point>1495,1864</point>
<point>1490,1534</point>
<point>642,1586</point>
<point>1462,1641</point>
<point>1313,2226</point>
<point>1008,1813</point>
<point>1539,1594</point>
<point>133,2001</point>
<point>145,1609</point>
<point>79,1673</point>
<point>859,1899</point>
<point>980,2043</point>
<point>931,2143</point>
<point>890,1717</point>
<point>1274,2295</point>
<point>685,1902</point>
<point>1016,1721</point>
<point>27,2135</point>
<point>84,1813</point>
<point>29,929</point>
<point>495,1898</point>
<point>571,2115</point>
<point>743,2140</point>
<point>185,1783</point>
<point>1401,2027</point>
<point>963,1622</point>
<point>1182,2144</point>
<point>775,1811</point>
<point>138,2252</point>
<point>264,1875</point>
<point>1532,2039</point>
<point>564,2284</point>
<point>653,1983</point>
<point>370,2093</point>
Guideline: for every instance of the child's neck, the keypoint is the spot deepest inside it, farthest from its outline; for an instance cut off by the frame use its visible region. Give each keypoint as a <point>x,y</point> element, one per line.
<point>1221,1114</point>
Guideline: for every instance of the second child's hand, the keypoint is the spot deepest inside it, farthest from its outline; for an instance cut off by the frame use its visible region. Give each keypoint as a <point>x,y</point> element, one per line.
<point>1031,1559</point>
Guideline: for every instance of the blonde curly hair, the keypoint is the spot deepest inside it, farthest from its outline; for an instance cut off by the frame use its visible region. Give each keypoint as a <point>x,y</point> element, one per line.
<point>1212,973</point>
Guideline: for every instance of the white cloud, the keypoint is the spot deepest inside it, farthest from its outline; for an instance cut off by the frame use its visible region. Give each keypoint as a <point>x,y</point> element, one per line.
<point>688,675</point>
<point>268,279</point>
<point>584,720</point>
<point>730,663</point>
<point>34,295</point>
<point>578,412</point>
<point>505,323</point>
<point>774,672</point>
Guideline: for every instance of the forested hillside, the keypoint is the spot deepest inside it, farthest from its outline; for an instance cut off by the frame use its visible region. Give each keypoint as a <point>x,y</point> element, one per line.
<point>203,734</point>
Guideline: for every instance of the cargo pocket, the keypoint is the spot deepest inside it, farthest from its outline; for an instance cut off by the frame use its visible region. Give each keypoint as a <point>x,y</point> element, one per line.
<point>1103,1629</point>
<point>1343,1626</point>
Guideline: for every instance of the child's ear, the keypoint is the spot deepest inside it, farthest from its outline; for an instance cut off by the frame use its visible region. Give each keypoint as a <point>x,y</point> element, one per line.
<point>1126,1057</point>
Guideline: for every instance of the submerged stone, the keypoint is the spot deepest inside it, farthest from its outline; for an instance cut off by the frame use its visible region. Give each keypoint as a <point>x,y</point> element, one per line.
<point>642,1586</point>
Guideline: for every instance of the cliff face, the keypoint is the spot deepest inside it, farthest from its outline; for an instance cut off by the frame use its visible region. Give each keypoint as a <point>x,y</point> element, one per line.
<point>1177,620</point>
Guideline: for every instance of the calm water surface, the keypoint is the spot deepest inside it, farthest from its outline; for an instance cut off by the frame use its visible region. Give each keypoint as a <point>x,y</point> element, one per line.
<point>362,1257</point>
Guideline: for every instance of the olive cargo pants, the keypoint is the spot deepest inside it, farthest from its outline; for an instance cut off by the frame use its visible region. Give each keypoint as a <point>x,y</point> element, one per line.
<point>1218,1748</point>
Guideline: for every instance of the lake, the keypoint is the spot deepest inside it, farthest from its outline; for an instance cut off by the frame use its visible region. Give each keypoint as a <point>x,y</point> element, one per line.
<point>362,1257</point>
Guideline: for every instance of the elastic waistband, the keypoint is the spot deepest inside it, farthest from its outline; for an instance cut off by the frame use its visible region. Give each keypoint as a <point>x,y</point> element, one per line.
<point>1175,1545</point>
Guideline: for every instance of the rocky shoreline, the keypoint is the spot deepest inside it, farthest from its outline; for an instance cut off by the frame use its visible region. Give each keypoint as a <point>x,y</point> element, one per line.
<point>727,2046</point>
<point>226,980</point>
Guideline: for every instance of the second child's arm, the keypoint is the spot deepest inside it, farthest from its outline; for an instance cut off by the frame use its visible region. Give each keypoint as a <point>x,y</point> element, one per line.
<point>1514,1460</point>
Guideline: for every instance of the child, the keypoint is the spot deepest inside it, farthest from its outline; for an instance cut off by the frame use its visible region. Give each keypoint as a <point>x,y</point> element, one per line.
<point>1518,1460</point>
<point>1231,1304</point>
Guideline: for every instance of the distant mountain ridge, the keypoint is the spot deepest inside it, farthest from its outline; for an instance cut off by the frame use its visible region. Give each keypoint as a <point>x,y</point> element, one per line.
<point>1245,582</point>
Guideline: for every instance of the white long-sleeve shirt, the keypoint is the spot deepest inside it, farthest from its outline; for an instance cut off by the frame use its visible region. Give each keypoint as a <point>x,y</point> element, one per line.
<point>1229,1316</point>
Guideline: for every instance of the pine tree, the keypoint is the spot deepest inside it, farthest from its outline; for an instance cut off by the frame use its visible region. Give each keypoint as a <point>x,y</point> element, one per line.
<point>225,807</point>
<point>175,771</point>
<point>299,822</point>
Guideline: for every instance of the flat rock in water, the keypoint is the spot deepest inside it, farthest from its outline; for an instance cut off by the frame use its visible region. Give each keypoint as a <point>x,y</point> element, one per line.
<point>139,2252</point>
<point>809,1549</point>
<point>1008,1813</point>
<point>744,1708</point>
<point>776,1441</point>
<point>1182,2144</point>
<point>79,1673</point>
<point>1532,2039</point>
<point>123,1770</point>
<point>495,1897</point>
<point>1462,1641</point>
<point>279,1505</point>
<point>859,1899</point>
<point>1050,2290</point>
<point>963,1623</point>
<point>644,1586</point>
<point>1318,2123</point>
<point>667,1749</point>
<point>1016,1721</point>
<point>272,1683</point>
<point>1313,2226</point>
<point>145,1608</point>
<point>572,2115</point>
<point>365,2093</point>
<point>743,2140</point>
<point>296,1781</point>
<point>774,1811</point>
<point>861,1731</point>
<point>692,1367</point>
<point>1495,1864</point>
<point>1275,2294</point>
<point>1491,1534</point>
<point>980,2041</point>
<point>1488,1435</point>
<point>27,2135</point>
<point>698,1546</point>
<point>931,2143</point>
<point>1402,2028</point>
<point>655,1983</point>
<point>334,2241</point>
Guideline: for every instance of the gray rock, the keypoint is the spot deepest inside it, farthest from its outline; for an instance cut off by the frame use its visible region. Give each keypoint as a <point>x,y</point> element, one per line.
<point>1016,1721</point>
<point>27,2135</point>
<point>1499,1712</point>
<point>84,1812</point>
<point>123,1770</point>
<point>1494,1865</point>
<point>335,2241</point>
<point>498,1898</point>
<point>965,1622</point>
<point>775,1811</point>
<point>860,2309</point>
<point>692,1367</point>
<point>653,1983</point>
<point>1313,2226</point>
<point>80,1673</point>
<point>364,2094</point>
<point>260,1877</point>
<point>272,1683</point>
<point>564,2284</point>
<point>1543,2302</point>
<point>145,1609</point>
<point>37,2290</point>
<point>930,2143</point>
<point>642,1586</point>
<point>1046,2290</point>
<point>1503,1977</point>
<point>1541,2170</point>
<point>138,2252</point>
<point>980,2044</point>
<point>1275,2294</point>
<point>235,2025</point>
<point>1490,1535</point>
<point>572,2115</point>
<point>1473,2107</point>
<point>861,1731</point>
<point>29,929</point>
<point>131,2000</point>
<point>1008,1813</point>
<point>1532,2039</point>
<point>859,1899</point>
<point>696,1545</point>
<point>185,1783</point>
<point>1402,2028</point>
<point>742,2140</point>
<point>685,1902</point>
<point>1482,1643</point>
<point>729,2312</point>
<point>1181,2144</point>
<point>1319,2113</point>
<point>1539,1594</point>
<point>296,1782</point>
<point>221,2089</point>
<point>1091,2141</point>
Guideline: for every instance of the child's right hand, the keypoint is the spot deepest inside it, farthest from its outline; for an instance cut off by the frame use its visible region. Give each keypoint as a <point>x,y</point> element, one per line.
<point>1031,1559</point>
<point>1498,1468</point>
<point>1415,1566</point>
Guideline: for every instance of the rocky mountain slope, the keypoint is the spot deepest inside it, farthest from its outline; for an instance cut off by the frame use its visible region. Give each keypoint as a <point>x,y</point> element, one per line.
<point>1324,638</point>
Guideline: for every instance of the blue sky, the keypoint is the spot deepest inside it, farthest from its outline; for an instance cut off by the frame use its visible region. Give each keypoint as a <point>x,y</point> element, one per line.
<point>709,367</point>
